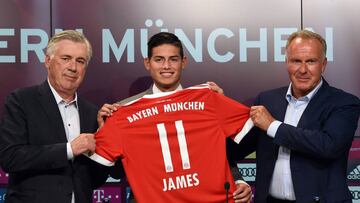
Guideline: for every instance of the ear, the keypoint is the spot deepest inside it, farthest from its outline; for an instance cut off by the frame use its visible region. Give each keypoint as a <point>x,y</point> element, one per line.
<point>184,62</point>
<point>147,63</point>
<point>324,65</point>
<point>47,61</point>
<point>286,59</point>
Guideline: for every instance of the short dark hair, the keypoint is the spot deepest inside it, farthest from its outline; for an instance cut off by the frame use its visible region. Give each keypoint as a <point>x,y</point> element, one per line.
<point>164,38</point>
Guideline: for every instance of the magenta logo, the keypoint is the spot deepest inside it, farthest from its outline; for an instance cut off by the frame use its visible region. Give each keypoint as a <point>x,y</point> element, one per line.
<point>3,177</point>
<point>111,193</point>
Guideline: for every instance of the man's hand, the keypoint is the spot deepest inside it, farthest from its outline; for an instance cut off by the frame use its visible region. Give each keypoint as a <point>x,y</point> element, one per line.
<point>214,87</point>
<point>85,142</point>
<point>106,111</point>
<point>261,117</point>
<point>242,193</point>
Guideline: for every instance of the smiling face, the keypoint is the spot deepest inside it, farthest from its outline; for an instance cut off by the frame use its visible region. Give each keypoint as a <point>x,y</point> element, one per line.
<point>305,64</point>
<point>66,67</point>
<point>165,66</point>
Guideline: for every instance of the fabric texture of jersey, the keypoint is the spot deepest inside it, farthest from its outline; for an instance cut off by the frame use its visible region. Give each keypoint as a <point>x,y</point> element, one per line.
<point>173,145</point>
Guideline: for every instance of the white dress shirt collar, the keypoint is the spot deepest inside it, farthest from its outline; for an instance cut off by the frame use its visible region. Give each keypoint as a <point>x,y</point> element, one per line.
<point>58,98</point>
<point>156,90</point>
<point>308,97</point>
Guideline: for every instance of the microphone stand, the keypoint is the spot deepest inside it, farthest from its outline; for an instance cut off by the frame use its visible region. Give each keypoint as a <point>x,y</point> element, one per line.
<point>227,187</point>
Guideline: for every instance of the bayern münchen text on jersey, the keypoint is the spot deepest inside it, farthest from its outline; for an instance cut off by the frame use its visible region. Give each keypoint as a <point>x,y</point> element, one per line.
<point>172,107</point>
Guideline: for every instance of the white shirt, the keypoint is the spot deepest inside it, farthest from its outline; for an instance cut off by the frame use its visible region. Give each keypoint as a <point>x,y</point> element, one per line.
<point>281,185</point>
<point>70,116</point>
<point>156,90</point>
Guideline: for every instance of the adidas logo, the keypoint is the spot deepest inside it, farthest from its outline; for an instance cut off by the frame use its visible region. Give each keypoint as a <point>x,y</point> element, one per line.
<point>354,174</point>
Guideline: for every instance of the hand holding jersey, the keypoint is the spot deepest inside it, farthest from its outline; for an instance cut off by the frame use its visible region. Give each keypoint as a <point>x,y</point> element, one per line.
<point>171,136</point>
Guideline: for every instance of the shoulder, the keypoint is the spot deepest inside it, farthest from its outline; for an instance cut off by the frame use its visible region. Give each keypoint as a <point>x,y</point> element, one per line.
<point>22,100</point>
<point>281,91</point>
<point>137,96</point>
<point>24,93</point>
<point>342,97</point>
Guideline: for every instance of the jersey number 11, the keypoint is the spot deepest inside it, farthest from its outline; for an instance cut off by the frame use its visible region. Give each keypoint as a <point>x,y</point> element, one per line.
<point>165,146</point>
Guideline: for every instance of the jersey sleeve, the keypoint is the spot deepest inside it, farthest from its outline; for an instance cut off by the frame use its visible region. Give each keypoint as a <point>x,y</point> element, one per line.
<point>234,117</point>
<point>108,143</point>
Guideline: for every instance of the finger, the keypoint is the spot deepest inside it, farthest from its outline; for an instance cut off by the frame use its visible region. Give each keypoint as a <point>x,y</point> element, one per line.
<point>106,111</point>
<point>236,192</point>
<point>252,112</point>
<point>89,135</point>
<point>108,107</point>
<point>116,105</point>
<point>113,106</point>
<point>242,195</point>
<point>103,111</point>
<point>92,149</point>
<point>246,199</point>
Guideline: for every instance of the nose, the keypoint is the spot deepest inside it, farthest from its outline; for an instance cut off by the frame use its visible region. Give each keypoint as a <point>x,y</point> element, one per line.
<point>72,66</point>
<point>167,64</point>
<point>303,68</point>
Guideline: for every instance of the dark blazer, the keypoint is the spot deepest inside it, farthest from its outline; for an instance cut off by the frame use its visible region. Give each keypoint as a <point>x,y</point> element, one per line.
<point>33,150</point>
<point>319,144</point>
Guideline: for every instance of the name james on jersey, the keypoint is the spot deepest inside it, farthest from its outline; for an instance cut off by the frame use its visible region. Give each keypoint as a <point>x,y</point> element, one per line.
<point>179,182</point>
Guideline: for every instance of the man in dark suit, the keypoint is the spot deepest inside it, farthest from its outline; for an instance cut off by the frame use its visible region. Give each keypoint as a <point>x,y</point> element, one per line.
<point>304,131</point>
<point>165,63</point>
<point>46,128</point>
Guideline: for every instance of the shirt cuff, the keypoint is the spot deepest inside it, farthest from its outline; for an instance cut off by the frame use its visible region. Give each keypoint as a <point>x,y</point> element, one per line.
<point>241,181</point>
<point>273,127</point>
<point>69,151</point>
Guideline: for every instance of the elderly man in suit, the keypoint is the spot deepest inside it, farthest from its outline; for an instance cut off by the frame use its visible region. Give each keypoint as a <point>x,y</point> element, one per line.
<point>304,131</point>
<point>46,128</point>
<point>165,63</point>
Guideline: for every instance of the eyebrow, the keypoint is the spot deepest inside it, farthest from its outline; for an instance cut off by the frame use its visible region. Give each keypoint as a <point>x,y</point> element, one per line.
<point>82,58</point>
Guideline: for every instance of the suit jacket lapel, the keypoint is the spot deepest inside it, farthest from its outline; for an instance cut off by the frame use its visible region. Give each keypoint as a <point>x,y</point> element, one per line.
<point>316,103</point>
<point>85,120</point>
<point>280,105</point>
<point>48,103</point>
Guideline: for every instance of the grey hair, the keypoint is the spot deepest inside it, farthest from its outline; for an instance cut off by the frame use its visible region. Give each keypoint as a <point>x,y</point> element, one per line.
<point>306,34</point>
<point>71,35</point>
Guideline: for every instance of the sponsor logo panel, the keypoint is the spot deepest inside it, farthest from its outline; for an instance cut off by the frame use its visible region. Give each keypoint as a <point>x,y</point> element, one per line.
<point>353,174</point>
<point>355,192</point>
<point>3,177</point>
<point>248,171</point>
<point>2,195</point>
<point>108,193</point>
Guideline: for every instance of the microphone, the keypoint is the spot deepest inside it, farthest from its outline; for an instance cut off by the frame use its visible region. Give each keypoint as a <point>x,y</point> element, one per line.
<point>317,199</point>
<point>227,187</point>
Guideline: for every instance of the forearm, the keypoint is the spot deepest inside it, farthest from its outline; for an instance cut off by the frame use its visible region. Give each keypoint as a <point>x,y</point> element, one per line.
<point>22,158</point>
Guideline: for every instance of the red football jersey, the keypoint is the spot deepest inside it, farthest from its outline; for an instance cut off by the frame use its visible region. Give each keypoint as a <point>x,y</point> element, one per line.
<point>173,146</point>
